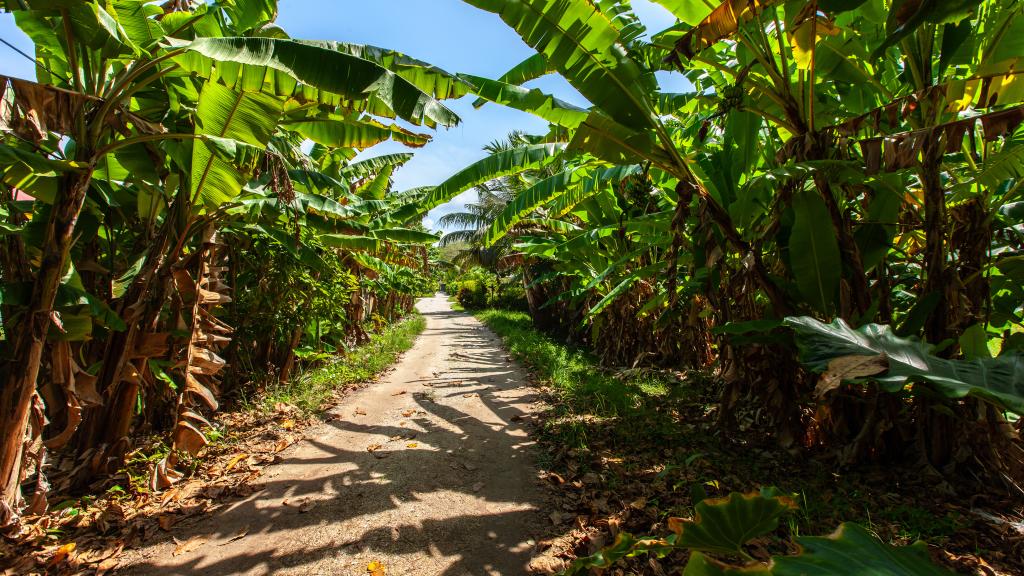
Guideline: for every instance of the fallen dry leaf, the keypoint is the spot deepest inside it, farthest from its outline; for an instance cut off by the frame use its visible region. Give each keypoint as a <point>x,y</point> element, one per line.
<point>166,521</point>
<point>172,494</point>
<point>281,445</point>
<point>408,413</point>
<point>106,566</point>
<point>399,393</point>
<point>848,368</point>
<point>546,564</point>
<point>411,445</point>
<point>234,461</point>
<point>375,568</point>
<point>360,412</point>
<point>288,424</point>
<point>373,447</point>
<point>184,547</point>
<point>554,476</point>
<point>238,535</point>
<point>62,553</point>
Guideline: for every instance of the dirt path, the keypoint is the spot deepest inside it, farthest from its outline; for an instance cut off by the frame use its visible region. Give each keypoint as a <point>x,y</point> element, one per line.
<point>451,489</point>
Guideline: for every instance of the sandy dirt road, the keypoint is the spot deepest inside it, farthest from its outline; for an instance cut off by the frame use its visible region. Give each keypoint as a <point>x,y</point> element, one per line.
<point>450,489</point>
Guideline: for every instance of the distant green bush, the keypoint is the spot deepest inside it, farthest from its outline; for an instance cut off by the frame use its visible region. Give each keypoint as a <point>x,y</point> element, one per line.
<point>472,294</point>
<point>509,296</point>
<point>478,288</point>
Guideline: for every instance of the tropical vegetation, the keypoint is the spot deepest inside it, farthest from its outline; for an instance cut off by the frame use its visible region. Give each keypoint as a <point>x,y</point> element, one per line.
<point>829,222</point>
<point>839,192</point>
<point>181,192</point>
<point>826,230</point>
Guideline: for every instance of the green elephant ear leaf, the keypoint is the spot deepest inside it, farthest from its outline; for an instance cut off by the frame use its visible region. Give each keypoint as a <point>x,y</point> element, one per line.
<point>996,380</point>
<point>724,525</point>
<point>701,565</point>
<point>853,551</point>
<point>626,546</point>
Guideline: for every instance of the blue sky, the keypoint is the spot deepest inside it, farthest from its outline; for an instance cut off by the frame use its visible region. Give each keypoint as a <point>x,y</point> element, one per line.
<point>449,34</point>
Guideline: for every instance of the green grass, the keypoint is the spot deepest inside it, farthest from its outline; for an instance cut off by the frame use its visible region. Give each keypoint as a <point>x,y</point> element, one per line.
<point>312,391</point>
<point>573,373</point>
<point>593,407</point>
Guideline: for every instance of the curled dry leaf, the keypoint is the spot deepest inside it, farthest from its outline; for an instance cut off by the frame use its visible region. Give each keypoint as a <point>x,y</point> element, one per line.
<point>409,412</point>
<point>375,568</point>
<point>186,546</point>
<point>546,564</point>
<point>62,554</point>
<point>234,461</point>
<point>238,535</point>
<point>107,566</point>
<point>848,368</point>
<point>166,521</point>
<point>554,477</point>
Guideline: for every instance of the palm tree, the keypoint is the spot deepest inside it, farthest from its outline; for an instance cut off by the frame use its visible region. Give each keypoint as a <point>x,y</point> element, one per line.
<point>493,197</point>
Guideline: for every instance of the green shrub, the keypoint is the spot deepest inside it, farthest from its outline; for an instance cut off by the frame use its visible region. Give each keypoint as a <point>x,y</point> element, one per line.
<point>510,296</point>
<point>472,294</point>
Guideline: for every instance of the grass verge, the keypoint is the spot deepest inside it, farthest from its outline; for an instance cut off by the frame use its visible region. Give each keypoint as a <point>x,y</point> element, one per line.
<point>312,391</point>
<point>632,448</point>
<point>574,373</point>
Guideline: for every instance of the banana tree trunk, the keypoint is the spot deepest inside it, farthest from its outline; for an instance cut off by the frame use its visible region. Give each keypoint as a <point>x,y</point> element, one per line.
<point>938,323</point>
<point>289,363</point>
<point>140,307</point>
<point>22,367</point>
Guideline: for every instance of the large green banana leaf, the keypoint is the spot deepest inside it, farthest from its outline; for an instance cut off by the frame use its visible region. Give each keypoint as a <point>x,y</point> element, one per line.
<point>370,166</point>
<point>503,163</point>
<point>319,66</point>
<point>687,11</point>
<point>405,236</point>
<point>425,76</point>
<point>535,66</point>
<point>530,199</point>
<point>584,45</point>
<point>814,252</point>
<point>225,114</point>
<point>611,141</point>
<point>532,101</point>
<point>854,551</point>
<point>339,133</point>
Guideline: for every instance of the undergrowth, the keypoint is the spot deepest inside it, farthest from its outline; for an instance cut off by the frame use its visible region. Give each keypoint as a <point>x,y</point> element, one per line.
<point>312,391</point>
<point>589,398</point>
<point>650,440</point>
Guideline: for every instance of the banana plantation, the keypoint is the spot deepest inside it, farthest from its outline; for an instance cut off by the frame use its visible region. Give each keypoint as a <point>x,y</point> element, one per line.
<point>820,242</point>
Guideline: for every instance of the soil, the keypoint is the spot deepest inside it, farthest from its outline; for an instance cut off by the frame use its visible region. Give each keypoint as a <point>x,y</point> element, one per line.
<point>429,471</point>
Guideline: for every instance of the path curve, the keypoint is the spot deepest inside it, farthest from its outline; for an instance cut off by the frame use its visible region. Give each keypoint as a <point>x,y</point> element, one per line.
<point>451,491</point>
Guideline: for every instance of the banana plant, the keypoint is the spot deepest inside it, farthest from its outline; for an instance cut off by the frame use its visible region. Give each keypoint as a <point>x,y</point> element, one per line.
<point>857,161</point>
<point>146,125</point>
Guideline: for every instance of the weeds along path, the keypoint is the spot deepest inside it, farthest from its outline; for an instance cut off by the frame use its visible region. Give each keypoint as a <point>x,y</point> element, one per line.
<point>429,471</point>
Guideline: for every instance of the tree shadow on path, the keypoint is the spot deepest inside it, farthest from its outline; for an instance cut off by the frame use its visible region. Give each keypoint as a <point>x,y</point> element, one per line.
<point>449,486</point>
